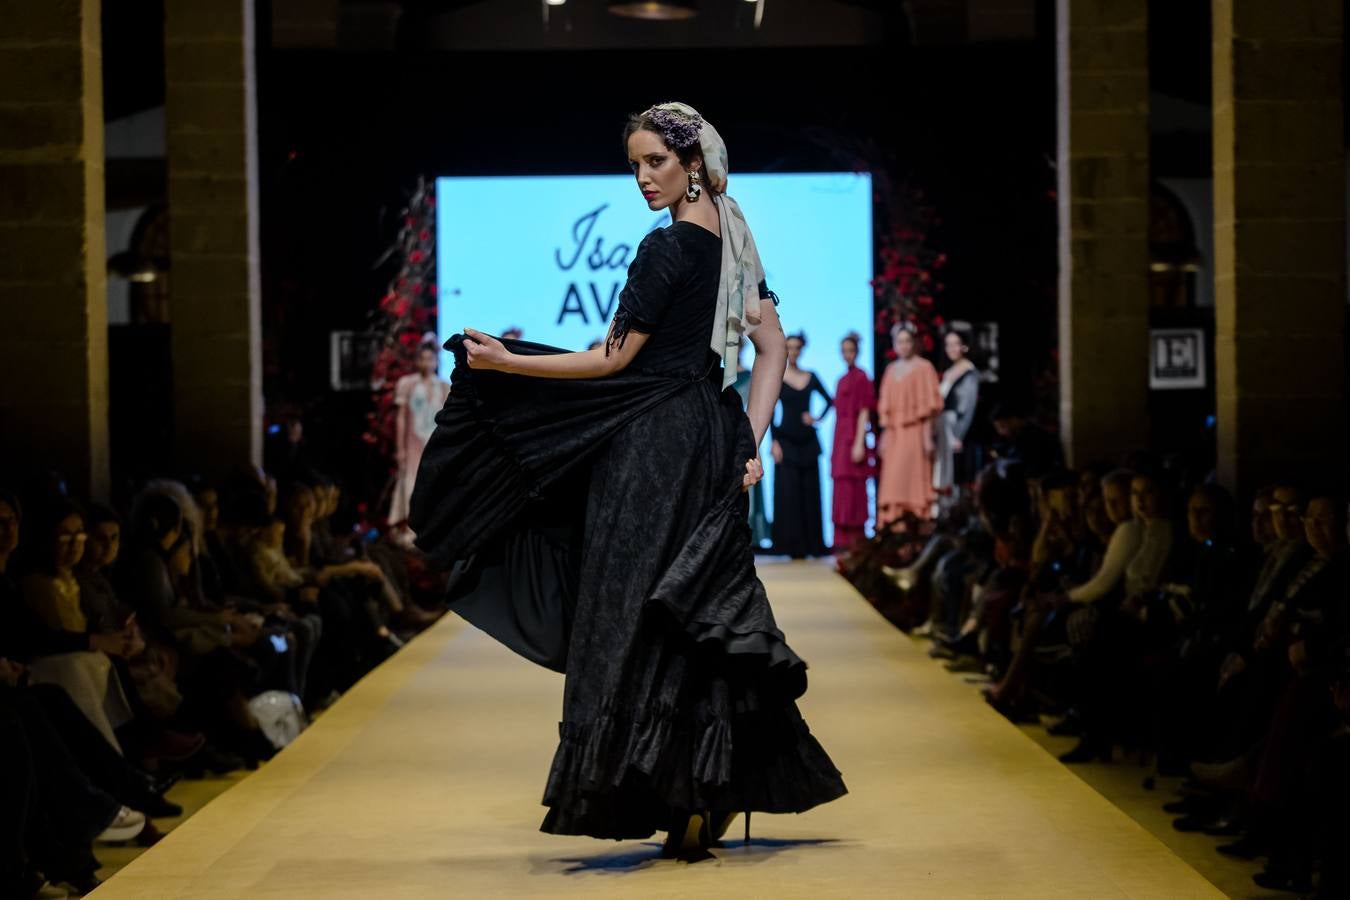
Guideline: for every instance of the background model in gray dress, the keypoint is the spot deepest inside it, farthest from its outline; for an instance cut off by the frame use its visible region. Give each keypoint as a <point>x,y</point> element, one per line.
<point>960,389</point>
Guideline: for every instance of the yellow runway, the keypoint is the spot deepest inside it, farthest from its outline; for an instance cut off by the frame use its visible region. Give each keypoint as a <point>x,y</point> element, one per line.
<point>424,781</point>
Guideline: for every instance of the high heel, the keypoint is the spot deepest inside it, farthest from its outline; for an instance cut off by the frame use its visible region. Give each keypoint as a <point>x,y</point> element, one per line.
<point>689,837</point>
<point>723,825</point>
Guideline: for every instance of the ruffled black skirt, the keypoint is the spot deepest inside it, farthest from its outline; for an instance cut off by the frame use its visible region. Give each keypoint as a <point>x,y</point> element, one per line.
<point>598,527</point>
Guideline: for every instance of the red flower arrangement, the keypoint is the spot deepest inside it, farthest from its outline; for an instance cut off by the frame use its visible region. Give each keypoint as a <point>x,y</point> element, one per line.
<point>908,285</point>
<point>403,317</point>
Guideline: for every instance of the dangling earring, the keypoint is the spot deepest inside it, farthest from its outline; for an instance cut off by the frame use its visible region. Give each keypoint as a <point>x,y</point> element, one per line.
<point>695,189</point>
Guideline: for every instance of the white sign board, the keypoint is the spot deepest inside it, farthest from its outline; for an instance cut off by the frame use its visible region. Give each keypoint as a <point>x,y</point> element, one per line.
<point>1176,359</point>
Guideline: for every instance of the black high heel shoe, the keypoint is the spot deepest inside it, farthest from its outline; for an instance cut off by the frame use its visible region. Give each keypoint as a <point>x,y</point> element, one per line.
<point>689,837</point>
<point>721,824</point>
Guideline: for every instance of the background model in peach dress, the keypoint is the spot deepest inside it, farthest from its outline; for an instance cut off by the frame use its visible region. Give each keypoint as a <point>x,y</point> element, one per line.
<point>909,401</point>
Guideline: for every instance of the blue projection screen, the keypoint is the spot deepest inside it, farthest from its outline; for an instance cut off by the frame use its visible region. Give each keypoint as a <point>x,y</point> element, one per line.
<point>549,254</point>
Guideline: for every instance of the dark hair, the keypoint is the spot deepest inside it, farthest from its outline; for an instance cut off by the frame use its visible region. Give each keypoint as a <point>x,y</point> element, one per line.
<point>101,515</point>
<point>959,331</point>
<point>1222,501</point>
<point>41,557</point>
<point>1118,477</point>
<point>853,337</point>
<point>155,515</point>
<point>1338,508</point>
<point>798,336</point>
<point>686,155</point>
<point>1058,480</point>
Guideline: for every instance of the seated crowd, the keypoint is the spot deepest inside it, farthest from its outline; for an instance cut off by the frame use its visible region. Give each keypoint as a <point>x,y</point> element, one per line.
<point>135,646</point>
<point>1132,605</point>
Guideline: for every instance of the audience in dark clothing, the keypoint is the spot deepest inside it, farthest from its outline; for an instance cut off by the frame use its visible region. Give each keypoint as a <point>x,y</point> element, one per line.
<point>130,656</point>
<point>1130,609</point>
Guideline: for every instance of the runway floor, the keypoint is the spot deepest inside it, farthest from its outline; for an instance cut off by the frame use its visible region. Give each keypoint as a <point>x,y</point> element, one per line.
<point>424,781</point>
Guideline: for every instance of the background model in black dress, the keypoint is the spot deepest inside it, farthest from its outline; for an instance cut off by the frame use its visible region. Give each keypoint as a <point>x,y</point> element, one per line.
<point>797,528</point>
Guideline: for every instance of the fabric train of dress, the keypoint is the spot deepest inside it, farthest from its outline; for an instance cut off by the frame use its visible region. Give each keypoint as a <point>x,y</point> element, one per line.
<point>599,528</point>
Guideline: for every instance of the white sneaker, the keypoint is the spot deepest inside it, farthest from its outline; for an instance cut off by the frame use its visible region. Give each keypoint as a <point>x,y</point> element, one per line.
<point>126,826</point>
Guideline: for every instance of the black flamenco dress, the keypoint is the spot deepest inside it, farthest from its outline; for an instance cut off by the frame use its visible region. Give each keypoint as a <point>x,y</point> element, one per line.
<point>797,528</point>
<point>598,527</point>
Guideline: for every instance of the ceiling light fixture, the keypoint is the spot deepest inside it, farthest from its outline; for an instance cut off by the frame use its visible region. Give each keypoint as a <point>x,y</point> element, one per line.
<point>660,10</point>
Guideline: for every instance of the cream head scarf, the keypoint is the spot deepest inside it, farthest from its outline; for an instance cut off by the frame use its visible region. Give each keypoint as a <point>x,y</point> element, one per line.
<point>738,290</point>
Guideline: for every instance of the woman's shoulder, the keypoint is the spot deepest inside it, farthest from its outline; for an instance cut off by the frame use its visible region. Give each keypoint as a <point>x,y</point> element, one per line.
<point>658,250</point>
<point>691,239</point>
<point>660,240</point>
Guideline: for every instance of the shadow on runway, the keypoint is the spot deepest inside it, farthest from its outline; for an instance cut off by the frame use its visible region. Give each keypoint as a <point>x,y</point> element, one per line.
<point>649,854</point>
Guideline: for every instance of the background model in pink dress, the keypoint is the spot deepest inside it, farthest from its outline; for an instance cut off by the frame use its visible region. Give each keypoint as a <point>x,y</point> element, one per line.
<point>909,401</point>
<point>852,398</point>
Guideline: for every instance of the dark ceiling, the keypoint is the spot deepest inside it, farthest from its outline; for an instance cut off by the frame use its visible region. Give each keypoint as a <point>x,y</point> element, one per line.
<point>133,45</point>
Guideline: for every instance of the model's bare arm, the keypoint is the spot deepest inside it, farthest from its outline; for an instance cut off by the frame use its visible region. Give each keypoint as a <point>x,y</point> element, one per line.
<point>766,376</point>
<point>486,352</point>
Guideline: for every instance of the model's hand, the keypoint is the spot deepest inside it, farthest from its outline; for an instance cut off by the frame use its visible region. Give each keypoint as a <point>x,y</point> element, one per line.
<point>485,351</point>
<point>754,471</point>
<point>777,452</point>
<point>859,452</point>
<point>956,445</point>
<point>808,419</point>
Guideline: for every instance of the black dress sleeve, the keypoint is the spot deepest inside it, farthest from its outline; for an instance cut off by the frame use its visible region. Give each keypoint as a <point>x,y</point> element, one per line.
<point>820,389</point>
<point>653,277</point>
<point>766,294</point>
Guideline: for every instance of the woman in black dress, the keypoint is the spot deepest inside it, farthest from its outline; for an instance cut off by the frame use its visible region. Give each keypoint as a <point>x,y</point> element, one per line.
<point>594,505</point>
<point>797,530</point>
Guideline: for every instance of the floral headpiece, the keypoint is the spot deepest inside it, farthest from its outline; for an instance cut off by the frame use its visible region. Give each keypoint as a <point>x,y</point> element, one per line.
<point>678,129</point>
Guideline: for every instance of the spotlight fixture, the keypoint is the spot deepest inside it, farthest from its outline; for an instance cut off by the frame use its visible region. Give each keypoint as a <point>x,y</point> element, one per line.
<point>555,2</point>
<point>660,10</point>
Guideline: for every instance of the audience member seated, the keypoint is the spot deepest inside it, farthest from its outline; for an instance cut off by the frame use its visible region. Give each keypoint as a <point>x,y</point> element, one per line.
<point>1224,659</point>
<point>81,664</point>
<point>215,675</point>
<point>63,784</point>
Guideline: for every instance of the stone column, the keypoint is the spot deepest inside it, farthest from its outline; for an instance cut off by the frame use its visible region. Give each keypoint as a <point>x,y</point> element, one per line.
<point>53,283</point>
<point>212,130</point>
<point>1279,234</point>
<point>1102,64</point>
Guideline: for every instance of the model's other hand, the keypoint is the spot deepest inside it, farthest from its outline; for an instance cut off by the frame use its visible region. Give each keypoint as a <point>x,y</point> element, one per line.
<point>808,419</point>
<point>777,452</point>
<point>859,453</point>
<point>754,471</point>
<point>485,351</point>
